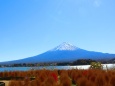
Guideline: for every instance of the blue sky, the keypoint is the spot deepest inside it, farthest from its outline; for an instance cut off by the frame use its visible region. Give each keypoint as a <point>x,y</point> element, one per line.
<point>31,27</point>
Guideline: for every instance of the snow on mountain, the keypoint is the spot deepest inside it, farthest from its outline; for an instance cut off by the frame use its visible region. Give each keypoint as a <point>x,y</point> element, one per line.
<point>65,46</point>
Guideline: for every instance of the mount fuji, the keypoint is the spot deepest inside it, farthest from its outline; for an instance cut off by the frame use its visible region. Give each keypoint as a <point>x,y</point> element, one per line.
<point>65,52</point>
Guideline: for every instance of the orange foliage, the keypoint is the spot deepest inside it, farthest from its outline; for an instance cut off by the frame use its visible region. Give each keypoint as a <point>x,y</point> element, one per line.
<point>91,77</point>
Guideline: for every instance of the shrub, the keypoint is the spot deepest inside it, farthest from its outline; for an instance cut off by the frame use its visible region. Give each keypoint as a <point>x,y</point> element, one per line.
<point>50,81</point>
<point>13,83</point>
<point>112,81</point>
<point>96,65</point>
<point>82,81</point>
<point>54,76</point>
<point>100,80</point>
<point>66,82</point>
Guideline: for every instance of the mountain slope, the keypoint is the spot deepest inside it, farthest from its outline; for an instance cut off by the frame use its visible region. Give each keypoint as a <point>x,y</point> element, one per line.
<point>64,53</point>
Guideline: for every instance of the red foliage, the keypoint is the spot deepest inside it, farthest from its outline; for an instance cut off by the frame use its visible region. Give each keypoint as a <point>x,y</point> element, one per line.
<point>112,81</point>
<point>54,76</point>
<point>85,72</point>
<point>92,78</point>
<point>67,77</point>
<point>66,82</point>
<point>82,81</point>
<point>100,80</point>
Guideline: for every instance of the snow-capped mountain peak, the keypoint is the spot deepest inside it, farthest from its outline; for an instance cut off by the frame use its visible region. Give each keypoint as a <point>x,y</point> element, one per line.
<point>65,46</point>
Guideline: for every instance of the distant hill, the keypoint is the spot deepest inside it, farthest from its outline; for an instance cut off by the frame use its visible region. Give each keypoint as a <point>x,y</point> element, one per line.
<point>65,52</point>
